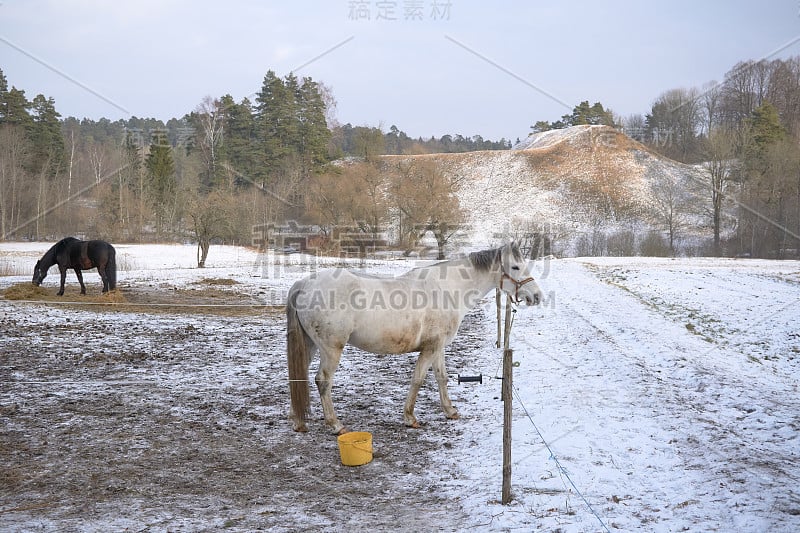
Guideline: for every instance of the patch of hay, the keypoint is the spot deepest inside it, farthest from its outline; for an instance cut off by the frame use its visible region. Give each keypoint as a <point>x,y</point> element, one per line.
<point>26,291</point>
<point>29,291</point>
<point>110,297</point>
<point>197,301</point>
<point>216,281</point>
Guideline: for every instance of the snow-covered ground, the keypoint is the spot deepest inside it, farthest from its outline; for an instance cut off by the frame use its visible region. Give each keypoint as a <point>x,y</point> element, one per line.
<point>668,390</point>
<point>651,394</point>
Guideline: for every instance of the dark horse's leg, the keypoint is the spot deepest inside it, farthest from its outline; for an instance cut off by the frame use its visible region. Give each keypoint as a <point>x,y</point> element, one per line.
<point>80,279</point>
<point>63,271</point>
<point>101,269</point>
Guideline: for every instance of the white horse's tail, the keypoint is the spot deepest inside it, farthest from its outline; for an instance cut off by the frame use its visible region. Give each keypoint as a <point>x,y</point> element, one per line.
<point>299,358</point>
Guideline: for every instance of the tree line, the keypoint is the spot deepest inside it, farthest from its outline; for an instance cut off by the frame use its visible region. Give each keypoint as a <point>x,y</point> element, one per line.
<point>363,141</point>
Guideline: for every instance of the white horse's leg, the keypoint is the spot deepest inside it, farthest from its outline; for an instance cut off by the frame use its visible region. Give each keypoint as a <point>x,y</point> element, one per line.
<point>328,362</point>
<point>417,379</point>
<point>441,378</point>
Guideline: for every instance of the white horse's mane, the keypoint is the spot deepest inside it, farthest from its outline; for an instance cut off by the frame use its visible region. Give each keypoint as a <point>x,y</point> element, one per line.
<point>486,259</point>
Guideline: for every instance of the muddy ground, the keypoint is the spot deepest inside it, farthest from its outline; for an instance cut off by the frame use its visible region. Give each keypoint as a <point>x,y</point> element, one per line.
<point>149,418</point>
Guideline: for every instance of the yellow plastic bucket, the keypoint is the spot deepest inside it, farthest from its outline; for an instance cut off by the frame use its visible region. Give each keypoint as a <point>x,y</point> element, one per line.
<point>355,448</point>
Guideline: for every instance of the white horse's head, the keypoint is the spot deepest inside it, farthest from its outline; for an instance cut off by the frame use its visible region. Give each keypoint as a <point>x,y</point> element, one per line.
<point>515,277</point>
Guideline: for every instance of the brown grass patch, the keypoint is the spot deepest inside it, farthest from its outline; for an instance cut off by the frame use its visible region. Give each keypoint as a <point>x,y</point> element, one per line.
<point>548,163</point>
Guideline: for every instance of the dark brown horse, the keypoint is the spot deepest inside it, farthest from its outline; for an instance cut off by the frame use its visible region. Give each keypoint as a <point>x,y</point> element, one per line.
<point>79,255</point>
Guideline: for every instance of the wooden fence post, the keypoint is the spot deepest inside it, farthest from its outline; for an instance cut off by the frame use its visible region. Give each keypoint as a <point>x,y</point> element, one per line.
<point>507,396</point>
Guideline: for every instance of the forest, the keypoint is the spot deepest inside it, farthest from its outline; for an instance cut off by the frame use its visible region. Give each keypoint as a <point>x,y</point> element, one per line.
<point>227,166</point>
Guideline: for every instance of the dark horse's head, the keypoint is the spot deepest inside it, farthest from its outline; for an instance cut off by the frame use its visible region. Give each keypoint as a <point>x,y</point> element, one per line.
<point>39,273</point>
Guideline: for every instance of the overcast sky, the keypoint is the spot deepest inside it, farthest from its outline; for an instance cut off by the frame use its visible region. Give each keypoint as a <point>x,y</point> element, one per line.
<point>428,66</point>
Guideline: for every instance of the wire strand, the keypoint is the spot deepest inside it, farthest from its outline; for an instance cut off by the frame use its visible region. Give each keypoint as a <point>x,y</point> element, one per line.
<point>561,469</point>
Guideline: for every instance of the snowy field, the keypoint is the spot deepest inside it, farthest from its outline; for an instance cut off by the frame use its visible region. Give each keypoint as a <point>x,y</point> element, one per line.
<point>651,395</point>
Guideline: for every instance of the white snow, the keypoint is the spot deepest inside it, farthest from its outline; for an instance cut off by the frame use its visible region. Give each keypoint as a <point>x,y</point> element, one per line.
<point>666,390</point>
<point>543,139</point>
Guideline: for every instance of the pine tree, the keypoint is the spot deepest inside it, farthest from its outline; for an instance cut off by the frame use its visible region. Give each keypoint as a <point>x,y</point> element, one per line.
<point>45,135</point>
<point>277,125</point>
<point>540,126</point>
<point>583,114</point>
<point>313,128</point>
<point>239,151</point>
<point>766,125</point>
<point>3,96</point>
<point>14,109</point>
<point>132,176</point>
<point>160,167</point>
<point>765,131</point>
<point>763,189</point>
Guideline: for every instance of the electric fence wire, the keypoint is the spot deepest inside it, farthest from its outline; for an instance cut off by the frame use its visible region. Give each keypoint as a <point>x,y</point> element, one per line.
<point>561,469</point>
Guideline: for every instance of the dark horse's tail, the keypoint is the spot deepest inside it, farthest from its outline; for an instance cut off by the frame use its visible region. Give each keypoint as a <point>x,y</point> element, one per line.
<point>111,268</point>
<point>299,358</point>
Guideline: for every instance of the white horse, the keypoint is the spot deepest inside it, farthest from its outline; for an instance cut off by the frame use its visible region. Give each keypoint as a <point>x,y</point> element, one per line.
<point>417,311</point>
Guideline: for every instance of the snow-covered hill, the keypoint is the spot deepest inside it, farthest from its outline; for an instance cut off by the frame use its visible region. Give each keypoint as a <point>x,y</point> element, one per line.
<point>576,184</point>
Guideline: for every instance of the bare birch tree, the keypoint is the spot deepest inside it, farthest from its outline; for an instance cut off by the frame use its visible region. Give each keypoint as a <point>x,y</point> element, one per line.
<point>669,204</point>
<point>209,116</point>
